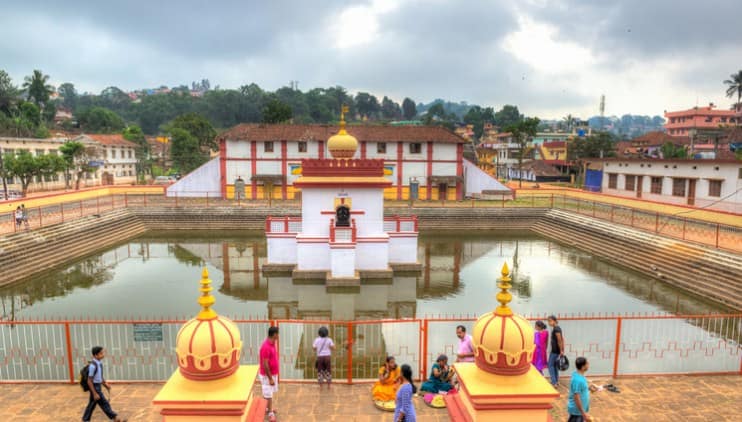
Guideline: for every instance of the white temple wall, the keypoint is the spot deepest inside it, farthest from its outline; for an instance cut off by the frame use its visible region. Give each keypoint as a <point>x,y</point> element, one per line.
<point>281,250</point>
<point>342,261</point>
<point>402,249</point>
<point>312,256</point>
<point>372,255</point>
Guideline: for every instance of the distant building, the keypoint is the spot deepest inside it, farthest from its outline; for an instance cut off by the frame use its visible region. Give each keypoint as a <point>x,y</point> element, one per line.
<point>649,145</point>
<point>715,184</point>
<point>501,151</point>
<point>36,147</point>
<point>682,123</point>
<point>537,171</point>
<point>118,158</point>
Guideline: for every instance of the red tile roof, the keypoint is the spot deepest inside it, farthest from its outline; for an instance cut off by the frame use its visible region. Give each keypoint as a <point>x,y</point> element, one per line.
<point>369,133</point>
<point>111,140</point>
<point>659,138</point>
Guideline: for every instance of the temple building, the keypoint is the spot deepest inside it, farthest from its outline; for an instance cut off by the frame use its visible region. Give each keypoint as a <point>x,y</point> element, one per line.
<point>342,235</point>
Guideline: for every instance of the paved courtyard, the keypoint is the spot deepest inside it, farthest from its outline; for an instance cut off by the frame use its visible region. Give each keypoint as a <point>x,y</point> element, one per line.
<point>672,399</point>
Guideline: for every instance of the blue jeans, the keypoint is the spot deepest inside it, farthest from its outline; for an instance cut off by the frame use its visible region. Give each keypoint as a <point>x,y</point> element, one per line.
<point>554,368</point>
<point>103,403</point>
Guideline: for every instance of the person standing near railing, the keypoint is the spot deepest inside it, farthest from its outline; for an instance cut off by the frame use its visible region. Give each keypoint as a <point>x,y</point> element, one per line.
<point>18,218</point>
<point>269,370</point>
<point>557,350</point>
<point>323,346</point>
<point>25,216</point>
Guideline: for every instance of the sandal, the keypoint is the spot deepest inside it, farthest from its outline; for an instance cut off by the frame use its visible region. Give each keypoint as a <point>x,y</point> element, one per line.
<point>612,388</point>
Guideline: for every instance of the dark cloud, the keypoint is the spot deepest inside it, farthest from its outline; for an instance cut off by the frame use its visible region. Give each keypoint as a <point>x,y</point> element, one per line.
<point>423,49</point>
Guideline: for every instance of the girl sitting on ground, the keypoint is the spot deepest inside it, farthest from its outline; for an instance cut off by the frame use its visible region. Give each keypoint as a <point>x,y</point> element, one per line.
<point>440,376</point>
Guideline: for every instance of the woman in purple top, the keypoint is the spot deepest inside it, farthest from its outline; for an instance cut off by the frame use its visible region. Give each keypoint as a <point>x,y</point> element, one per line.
<point>405,409</point>
<point>540,338</point>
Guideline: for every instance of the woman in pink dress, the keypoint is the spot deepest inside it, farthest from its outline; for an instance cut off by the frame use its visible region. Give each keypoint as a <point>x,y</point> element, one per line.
<point>541,337</point>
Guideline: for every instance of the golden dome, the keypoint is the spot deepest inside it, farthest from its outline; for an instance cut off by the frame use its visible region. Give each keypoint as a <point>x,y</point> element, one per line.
<point>208,346</point>
<point>342,145</point>
<point>503,342</point>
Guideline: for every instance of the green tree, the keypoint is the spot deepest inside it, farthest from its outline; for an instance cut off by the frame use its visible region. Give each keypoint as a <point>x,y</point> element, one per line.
<point>390,109</point>
<point>597,145</point>
<point>77,159</point>
<point>135,134</point>
<point>24,166</point>
<point>436,115</point>
<point>30,113</point>
<point>670,150</point>
<point>185,150</point>
<point>367,105</point>
<point>477,117</point>
<point>50,165</point>
<point>199,127</point>
<point>409,110</point>
<point>8,93</point>
<point>276,111</point>
<point>734,86</point>
<point>100,120</point>
<point>507,116</point>
<point>115,99</point>
<point>522,132</point>
<point>69,95</point>
<point>38,88</point>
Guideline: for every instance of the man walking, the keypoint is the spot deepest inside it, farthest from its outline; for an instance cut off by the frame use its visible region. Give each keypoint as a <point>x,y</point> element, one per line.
<point>557,350</point>
<point>578,402</point>
<point>269,370</point>
<point>466,347</point>
<point>95,383</point>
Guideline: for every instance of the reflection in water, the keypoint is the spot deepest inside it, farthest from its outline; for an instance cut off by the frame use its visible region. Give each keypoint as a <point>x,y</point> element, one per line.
<point>155,276</point>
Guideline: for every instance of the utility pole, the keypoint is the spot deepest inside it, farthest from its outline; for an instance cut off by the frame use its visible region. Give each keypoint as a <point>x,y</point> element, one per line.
<point>602,112</point>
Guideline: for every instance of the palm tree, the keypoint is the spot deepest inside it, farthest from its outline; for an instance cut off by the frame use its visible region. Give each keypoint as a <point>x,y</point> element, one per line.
<point>569,121</point>
<point>37,87</point>
<point>735,87</point>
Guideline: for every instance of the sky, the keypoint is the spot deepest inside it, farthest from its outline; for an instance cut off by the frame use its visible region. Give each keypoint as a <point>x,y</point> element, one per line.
<point>549,57</point>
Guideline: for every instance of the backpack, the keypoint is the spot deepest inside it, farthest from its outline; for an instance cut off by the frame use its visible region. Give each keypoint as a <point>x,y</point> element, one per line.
<point>84,375</point>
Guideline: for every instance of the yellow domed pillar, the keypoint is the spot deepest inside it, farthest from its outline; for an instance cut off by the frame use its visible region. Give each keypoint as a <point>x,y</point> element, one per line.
<point>210,384</point>
<point>501,384</point>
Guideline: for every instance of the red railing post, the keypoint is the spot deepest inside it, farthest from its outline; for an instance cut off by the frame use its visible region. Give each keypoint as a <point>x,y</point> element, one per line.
<point>207,199</point>
<point>268,224</point>
<point>61,211</point>
<point>398,224</point>
<point>617,349</point>
<point>717,235</point>
<point>612,207</point>
<point>593,209</point>
<point>126,199</point>
<point>113,201</point>
<point>285,224</point>
<point>97,204</point>
<point>533,200</point>
<point>81,208</point>
<point>68,341</point>
<point>350,353</point>
<point>551,202</point>
<point>424,357</point>
<point>41,222</point>
<point>632,218</point>
<point>657,222</point>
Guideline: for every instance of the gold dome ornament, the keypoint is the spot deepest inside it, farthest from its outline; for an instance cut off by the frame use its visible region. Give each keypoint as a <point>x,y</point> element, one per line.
<point>503,341</point>
<point>208,346</point>
<point>342,145</point>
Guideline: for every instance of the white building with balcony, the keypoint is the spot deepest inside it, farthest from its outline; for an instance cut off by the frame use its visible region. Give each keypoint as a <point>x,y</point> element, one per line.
<point>117,156</point>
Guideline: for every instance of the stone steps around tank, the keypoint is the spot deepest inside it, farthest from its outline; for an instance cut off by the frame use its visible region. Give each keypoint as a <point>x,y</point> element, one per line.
<point>32,252</point>
<point>710,273</point>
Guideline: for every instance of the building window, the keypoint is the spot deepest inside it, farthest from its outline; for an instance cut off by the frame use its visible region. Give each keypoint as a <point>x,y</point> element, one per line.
<point>267,146</point>
<point>678,187</point>
<point>381,147</point>
<point>302,146</point>
<point>656,185</point>
<point>113,153</point>
<point>715,188</point>
<point>129,153</point>
<point>630,182</point>
<point>612,181</point>
<point>416,148</point>
<point>39,152</point>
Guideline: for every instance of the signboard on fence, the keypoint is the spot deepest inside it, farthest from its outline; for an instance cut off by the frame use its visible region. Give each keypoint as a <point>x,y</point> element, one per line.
<point>147,332</point>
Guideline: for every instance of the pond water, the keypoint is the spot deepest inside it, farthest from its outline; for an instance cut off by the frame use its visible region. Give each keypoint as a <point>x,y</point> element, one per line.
<point>156,276</point>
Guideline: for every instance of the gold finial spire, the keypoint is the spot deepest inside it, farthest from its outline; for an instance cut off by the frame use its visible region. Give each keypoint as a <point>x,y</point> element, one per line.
<point>206,300</point>
<point>504,296</point>
<point>343,109</point>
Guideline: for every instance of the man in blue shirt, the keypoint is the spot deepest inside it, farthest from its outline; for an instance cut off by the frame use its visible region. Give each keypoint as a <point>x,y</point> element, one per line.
<point>95,384</point>
<point>578,403</point>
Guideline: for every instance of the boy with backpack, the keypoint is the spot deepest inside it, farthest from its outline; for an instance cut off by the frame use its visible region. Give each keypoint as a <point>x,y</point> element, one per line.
<point>94,383</point>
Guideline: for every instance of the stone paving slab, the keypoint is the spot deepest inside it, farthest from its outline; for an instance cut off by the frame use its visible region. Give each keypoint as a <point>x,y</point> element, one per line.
<point>659,399</point>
